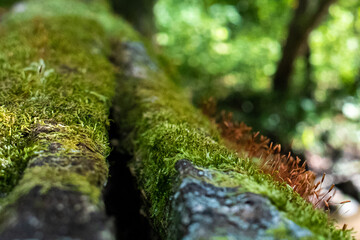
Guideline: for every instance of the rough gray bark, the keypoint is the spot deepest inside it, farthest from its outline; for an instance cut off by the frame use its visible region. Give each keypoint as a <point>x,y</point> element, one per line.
<point>204,211</point>
<point>58,213</point>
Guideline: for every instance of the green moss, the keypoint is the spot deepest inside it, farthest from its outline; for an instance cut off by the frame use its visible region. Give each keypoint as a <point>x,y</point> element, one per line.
<point>49,177</point>
<point>281,233</point>
<point>166,128</point>
<point>95,10</point>
<point>54,72</point>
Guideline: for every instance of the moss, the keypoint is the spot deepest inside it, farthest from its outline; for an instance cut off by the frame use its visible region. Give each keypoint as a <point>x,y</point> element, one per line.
<point>166,128</point>
<point>54,74</point>
<point>95,10</point>
<point>281,233</point>
<point>49,177</point>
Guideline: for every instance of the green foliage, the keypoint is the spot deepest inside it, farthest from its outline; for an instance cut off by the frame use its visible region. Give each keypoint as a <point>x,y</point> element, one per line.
<point>335,47</point>
<point>335,63</point>
<point>229,50</point>
<point>219,44</point>
<point>238,42</point>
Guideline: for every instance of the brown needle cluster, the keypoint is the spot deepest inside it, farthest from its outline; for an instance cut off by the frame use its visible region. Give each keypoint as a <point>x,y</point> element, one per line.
<point>283,168</point>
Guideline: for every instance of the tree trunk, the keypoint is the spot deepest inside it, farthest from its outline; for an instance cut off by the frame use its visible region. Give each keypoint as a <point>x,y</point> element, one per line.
<point>309,84</point>
<point>307,16</point>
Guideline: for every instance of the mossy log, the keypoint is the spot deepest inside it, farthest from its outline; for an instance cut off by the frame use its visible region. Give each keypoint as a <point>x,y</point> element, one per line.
<point>56,86</point>
<point>194,186</point>
<point>60,61</point>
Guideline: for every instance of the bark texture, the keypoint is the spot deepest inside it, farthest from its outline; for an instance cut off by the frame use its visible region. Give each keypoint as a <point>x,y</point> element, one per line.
<point>204,210</point>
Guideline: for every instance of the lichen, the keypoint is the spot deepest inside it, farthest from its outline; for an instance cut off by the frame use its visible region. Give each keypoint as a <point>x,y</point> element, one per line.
<point>166,128</point>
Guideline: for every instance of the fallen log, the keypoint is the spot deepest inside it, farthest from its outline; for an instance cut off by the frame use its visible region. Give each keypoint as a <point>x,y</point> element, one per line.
<point>56,86</point>
<point>195,187</point>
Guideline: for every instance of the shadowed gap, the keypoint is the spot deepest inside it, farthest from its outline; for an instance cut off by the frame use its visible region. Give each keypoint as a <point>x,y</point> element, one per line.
<point>122,197</point>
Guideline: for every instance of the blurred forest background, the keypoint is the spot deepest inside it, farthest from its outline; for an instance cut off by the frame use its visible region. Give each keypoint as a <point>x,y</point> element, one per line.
<point>288,68</point>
